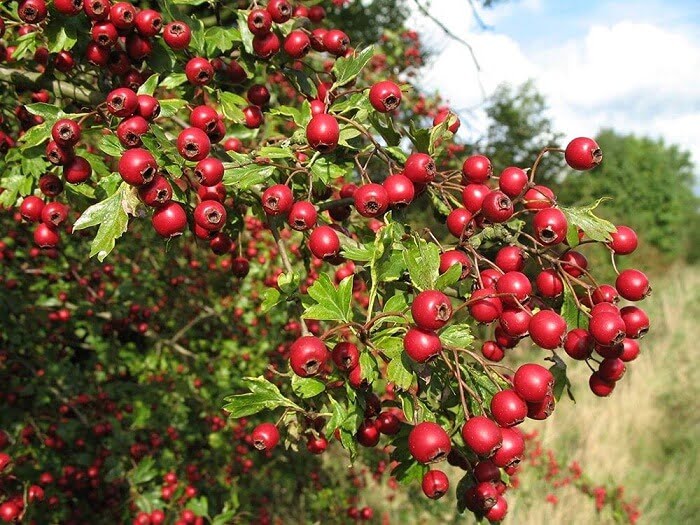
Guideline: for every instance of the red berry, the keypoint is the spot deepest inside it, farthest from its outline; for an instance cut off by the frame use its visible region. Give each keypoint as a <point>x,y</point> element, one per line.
<point>258,95</point>
<point>260,21</point>
<point>66,133</point>
<point>484,307</point>
<point>324,242</point>
<point>307,356</point>
<point>605,294</point>
<point>630,350</point>
<point>431,310</point>
<point>277,200</point>
<point>512,181</point>
<point>122,15</point>
<point>137,166</point>
<point>429,443</point>
<point>122,102</point>
<point>45,236</point>
<point>193,144</point>
<point>297,44</point>
<point>388,424</point>
<point>385,96</point>
<point>177,35</point>
<point>578,344</point>
<point>169,220</point>
<point>600,386</point>
<point>435,484</point>
<point>477,169</point>
<point>583,154</point>
<point>473,196</point>
<point>399,189</point>
<point>77,170</point>
<point>323,132</point>
<point>199,71</point>
<point>130,130</point>
<point>367,434</point>
<point>515,321</point>
<point>611,369</point>
<point>514,288</point>
<point>497,207</point>
<point>512,448</point>
<point>533,382</point>
<point>492,351</point>
<point>510,259</point>
<point>482,435</point>
<point>209,171</point>
<point>451,257</point>
<point>632,285</point>
<point>31,208</point>
<point>498,511</point>
<point>444,115</point>
<point>635,319</point>
<point>371,200</point>
<point>148,23</point>
<point>508,408</point>
<point>539,198</point>
<point>574,263</point>
<point>420,168</point>
<point>265,436</point>
<point>421,345</point>
<point>459,223</point>
<point>302,216</point>
<point>547,329</point>
<point>266,46</point>
<point>280,10</point>
<point>336,42</point>
<point>157,192</point>
<point>346,356</point>
<point>210,215</point>
<point>623,241</point>
<point>550,226</point>
<point>54,214</point>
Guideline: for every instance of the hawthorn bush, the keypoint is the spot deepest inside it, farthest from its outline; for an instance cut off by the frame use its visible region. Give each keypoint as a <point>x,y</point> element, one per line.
<point>298,230</point>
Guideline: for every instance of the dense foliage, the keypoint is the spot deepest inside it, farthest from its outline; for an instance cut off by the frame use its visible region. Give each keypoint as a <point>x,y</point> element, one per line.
<point>218,201</point>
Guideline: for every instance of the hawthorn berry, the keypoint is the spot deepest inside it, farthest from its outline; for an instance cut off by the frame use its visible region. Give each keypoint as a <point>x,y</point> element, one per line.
<point>371,200</point>
<point>169,220</point>
<point>385,96</point>
<point>583,154</point>
<point>421,345</point>
<point>307,356</point>
<point>177,35</point>
<point>137,166</point>
<point>429,443</point>
<point>420,168</point>
<point>193,144</point>
<point>623,241</point>
<point>482,435</point>
<point>265,436</point>
<point>497,207</point>
<point>477,169</point>
<point>632,285</point>
<point>533,382</point>
<point>259,21</point>
<point>550,226</point>
<point>547,329</point>
<point>346,356</point>
<point>451,257</point>
<point>512,181</point>
<point>435,484</point>
<point>323,132</point>
<point>277,200</point>
<point>431,310</point>
<point>302,216</point>
<point>484,306</point>
<point>508,408</point>
<point>324,242</point>
<point>210,215</point>
<point>77,170</point>
<point>336,42</point>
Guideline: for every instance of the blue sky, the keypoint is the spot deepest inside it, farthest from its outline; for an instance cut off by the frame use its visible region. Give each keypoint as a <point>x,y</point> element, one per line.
<point>630,65</point>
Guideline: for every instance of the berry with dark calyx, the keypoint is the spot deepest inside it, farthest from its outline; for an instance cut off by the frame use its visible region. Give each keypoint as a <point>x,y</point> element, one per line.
<point>612,352</point>
<point>484,307</point>
<point>498,511</point>
<point>632,285</point>
<point>512,448</point>
<point>50,185</point>
<point>220,244</point>
<point>512,181</point>
<point>600,386</point>
<point>547,329</point>
<point>420,168</point>
<point>608,307</point>
<point>451,257</point>
<point>122,15</point>
<point>104,34</point>
<point>137,166</point>
<point>130,130</point>
<point>611,369</point>
<point>297,44</point>
<point>482,435</point>
<point>157,192</point>
<point>31,208</point>
<point>583,154</point>
<point>508,408</point>
<point>148,23</point>
<point>260,21</point>
<point>266,46</point>
<point>253,117</point>
<point>429,443</point>
<point>307,356</point>
<point>199,71</point>
<point>538,198</point>
<point>459,223</point>
<point>32,11</point>
<point>550,226</point>
<point>66,133</point>
<point>578,344</point>
<point>193,144</point>
<point>399,190</point>
<point>385,96</point>
<point>280,10</point>
<point>515,321</point>
<point>97,10</point>
<point>205,118</point>
<point>473,196</point>
<point>497,207</point>
<point>490,277</point>
<point>533,382</point>
<point>277,199</point>
<point>177,35</point>
<point>542,410</point>
<point>623,241</point>
<point>336,42</point>
<point>302,216</point>
<point>122,102</point>
<point>54,214</point>
<point>169,220</point>
<point>371,200</point>
<point>435,484</point>
<point>514,288</point>
<point>605,294</point>
<point>549,284</point>
<point>635,319</point>
<point>421,345</point>
<point>209,171</point>
<point>45,236</point>
<point>607,329</point>
<point>323,132</point>
<point>265,436</point>
<point>431,310</point>
<point>477,169</point>
<point>210,215</point>
<point>77,170</point>
<point>346,356</point>
<point>367,434</point>
<point>486,495</point>
<point>324,242</point>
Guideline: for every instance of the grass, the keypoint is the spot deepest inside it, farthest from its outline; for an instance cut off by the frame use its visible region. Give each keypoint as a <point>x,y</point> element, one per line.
<point>644,437</point>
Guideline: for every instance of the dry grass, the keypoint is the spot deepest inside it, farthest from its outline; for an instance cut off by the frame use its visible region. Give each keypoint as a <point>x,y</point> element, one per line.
<point>644,437</point>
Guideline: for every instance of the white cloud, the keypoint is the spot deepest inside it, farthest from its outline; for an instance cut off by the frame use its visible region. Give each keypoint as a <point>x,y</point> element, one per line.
<point>632,76</point>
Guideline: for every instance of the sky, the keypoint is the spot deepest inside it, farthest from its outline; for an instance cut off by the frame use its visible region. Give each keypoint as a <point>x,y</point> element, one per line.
<point>633,66</point>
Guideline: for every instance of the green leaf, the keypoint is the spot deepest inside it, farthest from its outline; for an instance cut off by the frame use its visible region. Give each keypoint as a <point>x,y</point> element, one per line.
<point>361,253</point>
<point>263,395</point>
<point>440,134</point>
<point>396,303</point>
<point>338,415</point>
<point>26,45</point>
<point>450,277</point>
<point>199,506</point>
<point>399,371</point>
<point>369,367</point>
<point>46,111</point>
<point>144,472</point>
<point>112,218</point>
<point>332,304</point>
<point>148,87</point>
<point>306,387</point>
<point>397,154</point>
<point>225,518</point>
<point>288,282</point>
<point>326,170</point>
<point>419,137</point>
<point>346,69</point>
<point>301,82</point>
<point>570,311</point>
<point>561,381</point>
<point>220,38</point>
<point>14,186</point>
<point>110,145</point>
<point>462,490</point>
<point>231,105</point>
<point>61,34</point>
<point>572,236</point>
<point>245,177</point>
<point>583,217</point>
<point>36,135</point>
<point>173,80</point>
<point>457,335</point>
<point>271,299</point>
<point>171,106</point>
<point>389,134</point>
<point>423,263</point>
<point>409,471</point>
<point>246,35</point>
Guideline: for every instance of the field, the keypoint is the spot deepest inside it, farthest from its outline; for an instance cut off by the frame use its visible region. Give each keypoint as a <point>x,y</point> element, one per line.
<point>643,438</point>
